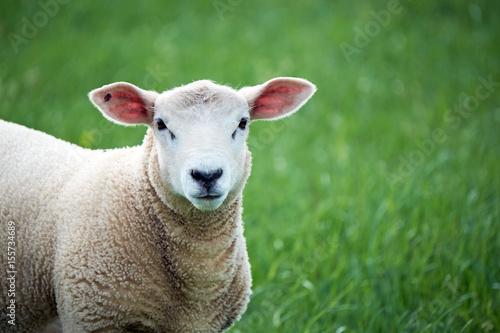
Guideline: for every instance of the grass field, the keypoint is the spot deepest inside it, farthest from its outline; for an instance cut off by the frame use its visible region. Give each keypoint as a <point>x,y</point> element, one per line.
<point>376,208</point>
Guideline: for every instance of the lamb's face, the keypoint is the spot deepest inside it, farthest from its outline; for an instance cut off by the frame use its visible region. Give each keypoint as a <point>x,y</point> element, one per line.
<point>201,132</point>
<point>201,129</point>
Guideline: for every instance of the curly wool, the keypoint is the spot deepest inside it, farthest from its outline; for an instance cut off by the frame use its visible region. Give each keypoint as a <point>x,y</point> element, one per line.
<point>122,259</point>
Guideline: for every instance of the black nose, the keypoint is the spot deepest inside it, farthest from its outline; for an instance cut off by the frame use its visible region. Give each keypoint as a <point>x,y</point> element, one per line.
<point>206,178</point>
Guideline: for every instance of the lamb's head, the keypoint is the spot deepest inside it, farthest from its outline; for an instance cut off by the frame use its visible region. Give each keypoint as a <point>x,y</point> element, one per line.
<point>200,130</point>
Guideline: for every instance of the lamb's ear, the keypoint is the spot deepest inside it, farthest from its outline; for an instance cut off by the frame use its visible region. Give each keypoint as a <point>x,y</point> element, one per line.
<point>124,103</point>
<point>278,97</point>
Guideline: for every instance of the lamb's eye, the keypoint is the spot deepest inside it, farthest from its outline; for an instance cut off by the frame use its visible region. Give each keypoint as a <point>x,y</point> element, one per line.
<point>242,126</point>
<point>161,125</point>
<point>243,123</point>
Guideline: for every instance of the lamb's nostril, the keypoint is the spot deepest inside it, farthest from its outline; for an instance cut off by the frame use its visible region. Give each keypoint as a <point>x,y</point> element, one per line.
<point>206,177</point>
<point>217,174</point>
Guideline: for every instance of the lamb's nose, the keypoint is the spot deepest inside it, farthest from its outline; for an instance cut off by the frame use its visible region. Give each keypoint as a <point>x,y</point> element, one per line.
<point>207,178</point>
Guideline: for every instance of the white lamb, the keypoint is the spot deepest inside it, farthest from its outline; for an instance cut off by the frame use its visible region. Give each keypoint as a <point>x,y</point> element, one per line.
<point>142,239</point>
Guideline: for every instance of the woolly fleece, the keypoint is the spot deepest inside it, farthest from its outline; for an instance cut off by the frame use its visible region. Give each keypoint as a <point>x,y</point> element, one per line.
<point>125,260</point>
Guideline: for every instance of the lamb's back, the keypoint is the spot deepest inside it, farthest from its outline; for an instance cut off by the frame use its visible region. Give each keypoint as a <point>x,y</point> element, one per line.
<point>34,166</point>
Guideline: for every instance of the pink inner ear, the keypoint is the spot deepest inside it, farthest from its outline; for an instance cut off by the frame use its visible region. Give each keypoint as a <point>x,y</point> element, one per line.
<point>130,112</point>
<point>276,100</point>
<point>127,107</point>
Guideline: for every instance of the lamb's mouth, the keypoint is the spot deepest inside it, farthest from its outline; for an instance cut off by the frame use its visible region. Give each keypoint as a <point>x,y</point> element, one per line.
<point>207,201</point>
<point>210,197</point>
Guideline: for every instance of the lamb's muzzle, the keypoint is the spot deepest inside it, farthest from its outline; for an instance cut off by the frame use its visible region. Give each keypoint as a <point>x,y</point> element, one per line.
<point>206,179</point>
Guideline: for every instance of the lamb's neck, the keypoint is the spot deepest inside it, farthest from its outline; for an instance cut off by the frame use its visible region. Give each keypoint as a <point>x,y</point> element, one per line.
<point>201,258</point>
<point>204,260</point>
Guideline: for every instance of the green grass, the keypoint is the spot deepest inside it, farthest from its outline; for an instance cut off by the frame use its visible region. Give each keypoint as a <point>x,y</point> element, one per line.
<point>358,216</point>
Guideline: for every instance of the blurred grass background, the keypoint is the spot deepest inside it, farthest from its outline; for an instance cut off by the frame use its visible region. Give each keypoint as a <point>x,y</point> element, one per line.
<point>376,208</point>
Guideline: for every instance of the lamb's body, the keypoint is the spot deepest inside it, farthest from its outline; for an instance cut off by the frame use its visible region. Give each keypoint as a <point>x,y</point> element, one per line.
<point>144,263</point>
<point>30,185</point>
<point>142,239</point>
<point>147,265</point>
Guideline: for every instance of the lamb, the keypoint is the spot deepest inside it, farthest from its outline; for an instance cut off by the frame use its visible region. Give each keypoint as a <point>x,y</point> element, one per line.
<point>141,239</point>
